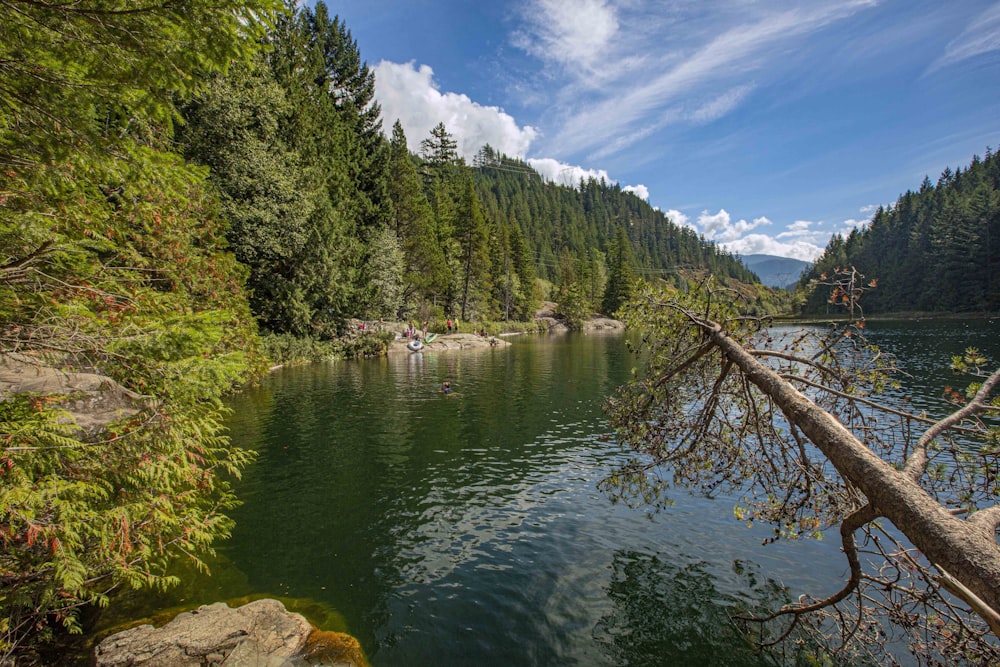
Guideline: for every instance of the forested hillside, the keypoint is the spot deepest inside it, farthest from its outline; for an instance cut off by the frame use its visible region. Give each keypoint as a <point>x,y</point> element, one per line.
<point>937,249</point>
<point>588,218</point>
<point>335,221</point>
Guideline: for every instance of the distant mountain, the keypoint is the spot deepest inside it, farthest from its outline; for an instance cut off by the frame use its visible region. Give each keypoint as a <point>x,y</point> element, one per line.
<point>775,271</point>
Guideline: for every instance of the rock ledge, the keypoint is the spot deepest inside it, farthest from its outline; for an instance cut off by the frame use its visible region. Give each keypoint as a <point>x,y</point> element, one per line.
<point>258,634</point>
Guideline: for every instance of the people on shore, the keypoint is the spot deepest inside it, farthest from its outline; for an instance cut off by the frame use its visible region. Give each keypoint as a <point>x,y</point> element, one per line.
<point>449,325</point>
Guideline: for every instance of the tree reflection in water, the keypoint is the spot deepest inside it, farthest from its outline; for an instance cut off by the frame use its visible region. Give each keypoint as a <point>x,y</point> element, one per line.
<point>669,613</point>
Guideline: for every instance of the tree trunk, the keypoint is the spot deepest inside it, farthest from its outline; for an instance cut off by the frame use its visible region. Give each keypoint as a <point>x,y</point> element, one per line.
<point>968,552</point>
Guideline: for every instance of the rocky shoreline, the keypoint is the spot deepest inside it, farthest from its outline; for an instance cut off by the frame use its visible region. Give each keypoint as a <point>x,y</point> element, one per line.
<point>469,341</point>
<point>258,634</point>
<point>444,342</point>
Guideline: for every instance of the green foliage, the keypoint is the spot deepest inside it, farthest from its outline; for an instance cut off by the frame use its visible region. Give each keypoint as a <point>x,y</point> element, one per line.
<point>139,289</point>
<point>289,349</point>
<point>113,262</point>
<point>384,276</point>
<point>440,149</point>
<point>473,237</point>
<point>935,250</point>
<point>621,278</point>
<point>426,273</point>
<point>65,65</point>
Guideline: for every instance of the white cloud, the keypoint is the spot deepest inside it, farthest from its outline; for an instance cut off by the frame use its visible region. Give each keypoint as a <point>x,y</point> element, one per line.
<point>762,244</point>
<point>680,219</point>
<point>719,227</point>
<point>640,191</point>
<point>733,236</point>
<point>870,208</point>
<point>561,173</point>
<point>849,226</point>
<point>982,35</point>
<point>629,102</point>
<point>409,94</point>
<point>801,229</point>
<point>721,105</point>
<point>575,35</point>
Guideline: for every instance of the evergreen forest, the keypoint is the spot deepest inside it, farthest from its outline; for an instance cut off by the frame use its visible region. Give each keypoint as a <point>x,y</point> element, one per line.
<point>336,220</point>
<point>934,250</point>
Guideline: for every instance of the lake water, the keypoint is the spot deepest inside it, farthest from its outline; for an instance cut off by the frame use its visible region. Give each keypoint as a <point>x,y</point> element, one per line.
<point>467,529</point>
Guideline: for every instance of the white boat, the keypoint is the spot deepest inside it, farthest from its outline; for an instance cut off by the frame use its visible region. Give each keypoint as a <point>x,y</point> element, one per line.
<point>415,346</point>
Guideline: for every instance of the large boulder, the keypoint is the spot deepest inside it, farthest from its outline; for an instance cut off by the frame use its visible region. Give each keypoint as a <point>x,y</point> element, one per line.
<point>92,400</point>
<point>261,634</point>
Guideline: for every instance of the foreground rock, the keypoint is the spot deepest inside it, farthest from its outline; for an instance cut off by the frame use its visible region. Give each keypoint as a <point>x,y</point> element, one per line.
<point>258,634</point>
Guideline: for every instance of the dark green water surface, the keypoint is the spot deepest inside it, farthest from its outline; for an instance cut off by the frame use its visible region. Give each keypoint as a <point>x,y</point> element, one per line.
<point>467,529</point>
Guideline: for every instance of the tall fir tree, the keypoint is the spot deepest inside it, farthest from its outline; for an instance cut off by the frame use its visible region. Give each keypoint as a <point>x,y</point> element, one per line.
<point>472,235</point>
<point>620,274</point>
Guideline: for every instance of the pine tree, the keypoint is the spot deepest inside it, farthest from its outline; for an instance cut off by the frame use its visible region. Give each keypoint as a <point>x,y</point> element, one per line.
<point>473,237</point>
<point>440,150</point>
<point>620,274</point>
<point>426,273</point>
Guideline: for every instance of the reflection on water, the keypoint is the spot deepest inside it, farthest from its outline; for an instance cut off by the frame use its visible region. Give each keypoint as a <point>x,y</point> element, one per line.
<point>667,609</point>
<point>451,530</point>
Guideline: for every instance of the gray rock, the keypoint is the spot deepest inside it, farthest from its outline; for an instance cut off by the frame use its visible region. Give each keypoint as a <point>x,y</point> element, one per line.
<point>259,634</point>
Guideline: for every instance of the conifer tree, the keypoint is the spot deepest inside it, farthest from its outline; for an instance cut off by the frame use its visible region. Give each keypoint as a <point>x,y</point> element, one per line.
<point>620,275</point>
<point>440,149</point>
<point>473,240</point>
<point>234,128</point>
<point>426,270</point>
<point>114,265</point>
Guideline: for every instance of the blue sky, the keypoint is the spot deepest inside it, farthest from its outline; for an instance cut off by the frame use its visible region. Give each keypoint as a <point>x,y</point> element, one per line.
<point>767,125</point>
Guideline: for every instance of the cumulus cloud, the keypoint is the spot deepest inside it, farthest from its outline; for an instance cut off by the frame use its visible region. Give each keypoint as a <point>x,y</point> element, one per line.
<point>797,241</point>
<point>640,191</point>
<point>761,244</point>
<point>408,93</point>
<point>720,227</point>
<point>561,173</point>
<point>680,219</point>
<point>798,229</point>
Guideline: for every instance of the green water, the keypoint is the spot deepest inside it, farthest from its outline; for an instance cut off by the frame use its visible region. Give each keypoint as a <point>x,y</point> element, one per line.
<point>467,529</point>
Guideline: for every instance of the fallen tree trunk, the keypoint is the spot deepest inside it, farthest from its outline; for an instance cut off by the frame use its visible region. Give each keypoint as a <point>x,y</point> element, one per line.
<point>966,550</point>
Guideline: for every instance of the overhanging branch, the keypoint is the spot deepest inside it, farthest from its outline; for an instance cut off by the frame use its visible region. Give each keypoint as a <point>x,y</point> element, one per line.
<point>946,540</point>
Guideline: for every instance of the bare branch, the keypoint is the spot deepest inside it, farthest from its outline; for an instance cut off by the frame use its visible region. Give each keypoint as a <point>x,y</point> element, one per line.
<point>917,462</point>
<point>956,588</point>
<point>850,524</point>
